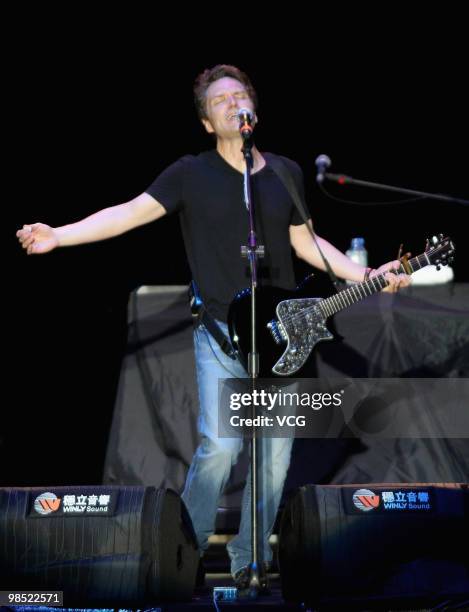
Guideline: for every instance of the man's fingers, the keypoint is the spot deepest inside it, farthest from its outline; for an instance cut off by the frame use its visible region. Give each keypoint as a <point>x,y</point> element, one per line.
<point>397,281</point>
<point>24,233</point>
<point>28,241</point>
<point>405,280</point>
<point>393,281</point>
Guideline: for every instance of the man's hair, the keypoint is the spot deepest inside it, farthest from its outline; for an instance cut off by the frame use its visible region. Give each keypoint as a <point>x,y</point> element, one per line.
<point>209,76</point>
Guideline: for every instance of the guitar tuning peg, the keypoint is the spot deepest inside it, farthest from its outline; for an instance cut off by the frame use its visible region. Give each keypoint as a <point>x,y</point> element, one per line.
<point>438,267</point>
<point>434,240</point>
<point>440,236</point>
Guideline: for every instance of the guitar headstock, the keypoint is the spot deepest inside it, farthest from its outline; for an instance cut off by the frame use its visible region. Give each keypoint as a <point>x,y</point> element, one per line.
<point>439,250</point>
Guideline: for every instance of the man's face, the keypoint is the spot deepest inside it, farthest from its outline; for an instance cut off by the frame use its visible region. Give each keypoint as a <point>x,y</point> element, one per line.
<point>224,98</point>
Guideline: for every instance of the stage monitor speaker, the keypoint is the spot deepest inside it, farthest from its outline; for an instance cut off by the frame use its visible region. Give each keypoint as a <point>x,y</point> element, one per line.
<point>378,542</point>
<point>98,544</point>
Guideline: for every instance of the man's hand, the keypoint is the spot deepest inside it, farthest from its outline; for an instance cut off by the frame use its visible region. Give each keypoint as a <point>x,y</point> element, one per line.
<point>37,238</point>
<point>396,281</point>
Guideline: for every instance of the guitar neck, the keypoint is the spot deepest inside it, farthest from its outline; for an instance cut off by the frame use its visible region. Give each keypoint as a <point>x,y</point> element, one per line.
<point>359,291</point>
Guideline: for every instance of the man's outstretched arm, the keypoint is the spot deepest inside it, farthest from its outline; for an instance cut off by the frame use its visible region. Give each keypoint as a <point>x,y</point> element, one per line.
<point>38,238</point>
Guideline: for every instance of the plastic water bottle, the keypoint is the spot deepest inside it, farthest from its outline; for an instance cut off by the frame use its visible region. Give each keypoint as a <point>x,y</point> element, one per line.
<point>357,253</point>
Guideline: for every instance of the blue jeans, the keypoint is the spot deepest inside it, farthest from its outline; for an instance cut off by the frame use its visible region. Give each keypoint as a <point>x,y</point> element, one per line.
<point>213,459</point>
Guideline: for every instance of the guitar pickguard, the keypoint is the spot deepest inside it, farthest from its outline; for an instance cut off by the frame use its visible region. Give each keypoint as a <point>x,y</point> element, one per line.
<point>304,326</point>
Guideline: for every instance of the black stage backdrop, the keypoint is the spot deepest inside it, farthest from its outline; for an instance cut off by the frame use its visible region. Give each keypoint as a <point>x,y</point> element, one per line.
<point>98,109</point>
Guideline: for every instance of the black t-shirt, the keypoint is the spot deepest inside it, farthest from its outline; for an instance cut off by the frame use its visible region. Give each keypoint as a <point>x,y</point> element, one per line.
<point>208,194</point>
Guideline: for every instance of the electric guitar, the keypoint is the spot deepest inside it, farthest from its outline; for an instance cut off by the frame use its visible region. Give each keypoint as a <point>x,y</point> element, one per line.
<point>290,325</point>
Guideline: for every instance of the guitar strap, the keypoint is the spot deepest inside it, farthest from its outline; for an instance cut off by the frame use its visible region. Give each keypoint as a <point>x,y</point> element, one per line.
<point>284,174</point>
<point>201,316</point>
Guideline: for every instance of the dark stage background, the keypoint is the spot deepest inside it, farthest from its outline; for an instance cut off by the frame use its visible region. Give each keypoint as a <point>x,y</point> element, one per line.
<point>102,110</point>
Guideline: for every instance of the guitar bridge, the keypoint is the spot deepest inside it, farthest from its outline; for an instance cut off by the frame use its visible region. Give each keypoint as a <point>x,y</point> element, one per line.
<point>277,330</point>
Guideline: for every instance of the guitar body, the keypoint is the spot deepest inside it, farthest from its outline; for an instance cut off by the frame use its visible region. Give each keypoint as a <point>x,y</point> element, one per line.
<point>289,323</point>
<point>288,326</point>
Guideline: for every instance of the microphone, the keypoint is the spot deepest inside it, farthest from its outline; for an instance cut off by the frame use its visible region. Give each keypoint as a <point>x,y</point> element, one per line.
<point>246,122</point>
<point>322,164</point>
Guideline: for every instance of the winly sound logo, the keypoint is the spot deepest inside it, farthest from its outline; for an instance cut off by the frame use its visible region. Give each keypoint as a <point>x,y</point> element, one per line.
<point>46,503</point>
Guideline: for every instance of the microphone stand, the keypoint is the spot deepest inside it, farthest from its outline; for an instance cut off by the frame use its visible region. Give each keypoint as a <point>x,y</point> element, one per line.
<point>342,179</point>
<point>252,252</point>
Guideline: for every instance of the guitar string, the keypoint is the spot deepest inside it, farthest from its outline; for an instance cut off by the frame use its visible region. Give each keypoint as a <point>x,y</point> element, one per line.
<point>351,295</point>
<point>291,318</point>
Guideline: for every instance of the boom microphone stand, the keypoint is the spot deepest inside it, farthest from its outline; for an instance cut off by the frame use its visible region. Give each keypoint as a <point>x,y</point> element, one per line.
<point>323,162</point>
